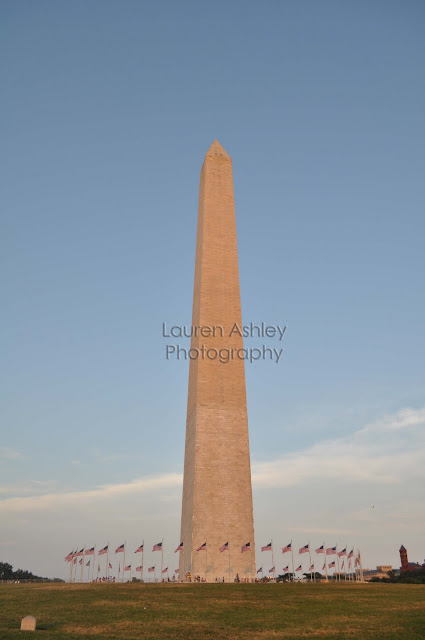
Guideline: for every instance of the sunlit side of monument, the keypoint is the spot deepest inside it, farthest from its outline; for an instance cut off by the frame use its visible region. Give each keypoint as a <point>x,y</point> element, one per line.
<point>217,494</point>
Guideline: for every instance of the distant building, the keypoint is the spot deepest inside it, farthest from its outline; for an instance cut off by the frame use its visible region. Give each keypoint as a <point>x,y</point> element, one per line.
<point>380,572</point>
<point>406,565</point>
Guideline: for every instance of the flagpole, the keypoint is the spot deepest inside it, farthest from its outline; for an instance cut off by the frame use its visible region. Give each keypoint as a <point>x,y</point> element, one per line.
<point>82,564</point>
<point>349,565</point>
<point>206,557</point>
<point>107,561</point>
<point>293,567</point>
<point>94,562</point>
<point>273,565</point>
<point>162,557</point>
<point>309,555</point>
<point>361,566</point>
<point>326,562</point>
<point>345,572</point>
<point>123,564</point>
<point>143,558</point>
<point>229,559</point>
<point>337,563</point>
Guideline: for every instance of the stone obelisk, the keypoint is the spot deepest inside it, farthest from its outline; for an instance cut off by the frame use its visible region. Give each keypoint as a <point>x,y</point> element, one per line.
<point>217,495</point>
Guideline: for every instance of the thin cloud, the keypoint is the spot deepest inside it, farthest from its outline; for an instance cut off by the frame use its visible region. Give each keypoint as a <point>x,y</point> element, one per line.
<point>402,420</point>
<point>72,498</point>
<point>379,453</point>
<point>321,531</point>
<point>10,454</point>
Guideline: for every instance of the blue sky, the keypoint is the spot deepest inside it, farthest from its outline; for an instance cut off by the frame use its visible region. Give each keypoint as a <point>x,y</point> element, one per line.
<point>107,112</point>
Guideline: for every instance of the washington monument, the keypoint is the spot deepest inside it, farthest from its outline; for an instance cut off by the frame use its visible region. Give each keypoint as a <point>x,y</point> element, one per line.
<point>217,496</point>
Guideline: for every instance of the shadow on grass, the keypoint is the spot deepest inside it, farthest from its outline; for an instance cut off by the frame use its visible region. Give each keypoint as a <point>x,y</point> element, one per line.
<point>49,626</point>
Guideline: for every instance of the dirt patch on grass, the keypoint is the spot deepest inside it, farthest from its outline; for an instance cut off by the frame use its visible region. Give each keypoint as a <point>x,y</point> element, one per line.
<point>117,603</point>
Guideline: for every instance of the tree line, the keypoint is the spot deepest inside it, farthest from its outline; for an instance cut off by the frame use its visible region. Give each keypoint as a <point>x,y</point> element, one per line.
<point>7,573</point>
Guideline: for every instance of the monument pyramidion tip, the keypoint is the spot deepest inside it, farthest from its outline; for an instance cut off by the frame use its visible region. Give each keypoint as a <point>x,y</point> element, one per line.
<point>217,150</point>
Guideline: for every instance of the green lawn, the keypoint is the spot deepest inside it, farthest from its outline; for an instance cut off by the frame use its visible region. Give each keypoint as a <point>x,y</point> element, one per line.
<point>249,611</point>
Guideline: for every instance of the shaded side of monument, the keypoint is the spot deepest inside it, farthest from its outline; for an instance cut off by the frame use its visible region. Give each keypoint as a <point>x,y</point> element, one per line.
<point>217,494</point>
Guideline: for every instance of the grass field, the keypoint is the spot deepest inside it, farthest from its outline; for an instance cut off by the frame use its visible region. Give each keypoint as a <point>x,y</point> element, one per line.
<point>249,611</point>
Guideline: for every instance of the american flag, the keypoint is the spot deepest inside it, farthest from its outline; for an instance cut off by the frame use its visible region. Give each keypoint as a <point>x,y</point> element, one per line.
<point>286,568</point>
<point>80,553</point>
<point>176,570</point>
<point>287,548</point>
<point>88,563</point>
<point>272,570</point>
<point>179,548</point>
<point>139,549</point>
<point>331,565</point>
<point>104,550</point>
<point>351,554</point>
<point>342,553</point>
<point>69,557</point>
<point>342,566</point>
<point>139,568</point>
<point>157,547</point>
<point>110,566</point>
<point>120,549</point>
<point>311,568</point>
<point>304,549</point>
<point>331,551</point>
<point>268,547</point>
<point>151,569</point>
<point>165,570</point>
<point>203,547</point>
<point>246,547</point>
<point>225,547</point>
<point>260,570</point>
<point>324,567</point>
<point>356,562</point>
<point>299,568</point>
<point>89,552</point>
<point>81,561</point>
<point>320,549</point>
<point>75,560</point>
<point>127,568</point>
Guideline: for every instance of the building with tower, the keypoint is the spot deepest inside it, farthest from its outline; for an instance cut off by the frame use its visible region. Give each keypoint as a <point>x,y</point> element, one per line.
<point>405,564</point>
